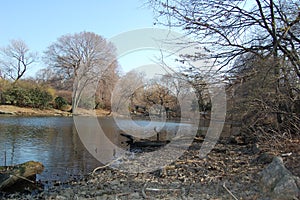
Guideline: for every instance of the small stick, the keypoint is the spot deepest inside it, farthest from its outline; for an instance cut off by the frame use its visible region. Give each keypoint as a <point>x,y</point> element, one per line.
<point>26,179</point>
<point>229,192</point>
<point>161,190</point>
<point>108,164</point>
<point>121,194</point>
<point>143,191</point>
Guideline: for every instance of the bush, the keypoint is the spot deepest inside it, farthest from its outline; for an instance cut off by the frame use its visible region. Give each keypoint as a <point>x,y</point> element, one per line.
<point>39,98</point>
<point>27,96</point>
<point>60,102</point>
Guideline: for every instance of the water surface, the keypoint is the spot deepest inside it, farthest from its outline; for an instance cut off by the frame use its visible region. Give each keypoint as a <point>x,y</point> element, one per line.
<point>54,142</point>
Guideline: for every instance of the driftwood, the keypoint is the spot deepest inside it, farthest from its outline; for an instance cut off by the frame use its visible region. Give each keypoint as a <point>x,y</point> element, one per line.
<point>143,143</point>
<point>9,175</point>
<point>148,143</point>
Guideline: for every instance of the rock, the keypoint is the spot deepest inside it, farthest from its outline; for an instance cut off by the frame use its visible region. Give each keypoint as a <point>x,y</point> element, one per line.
<point>68,193</point>
<point>255,148</point>
<point>240,140</point>
<point>278,182</point>
<point>135,195</point>
<point>115,182</point>
<point>264,158</point>
<point>59,197</point>
<point>252,149</point>
<point>6,113</point>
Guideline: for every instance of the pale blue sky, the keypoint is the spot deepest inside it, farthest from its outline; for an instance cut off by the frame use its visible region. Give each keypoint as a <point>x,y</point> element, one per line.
<point>40,23</point>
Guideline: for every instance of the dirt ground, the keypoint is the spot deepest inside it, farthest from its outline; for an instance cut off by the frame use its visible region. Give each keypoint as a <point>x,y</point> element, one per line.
<point>21,111</point>
<point>229,171</point>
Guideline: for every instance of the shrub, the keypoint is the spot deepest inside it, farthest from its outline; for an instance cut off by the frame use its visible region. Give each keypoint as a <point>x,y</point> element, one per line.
<point>39,98</point>
<point>27,96</point>
<point>60,102</point>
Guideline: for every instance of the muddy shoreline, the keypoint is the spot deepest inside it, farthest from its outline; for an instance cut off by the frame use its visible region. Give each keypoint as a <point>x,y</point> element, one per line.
<point>9,110</point>
<point>231,170</point>
<point>228,171</point>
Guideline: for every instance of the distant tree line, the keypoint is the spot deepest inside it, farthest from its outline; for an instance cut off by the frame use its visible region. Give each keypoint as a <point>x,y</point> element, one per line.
<point>166,95</point>
<point>74,62</point>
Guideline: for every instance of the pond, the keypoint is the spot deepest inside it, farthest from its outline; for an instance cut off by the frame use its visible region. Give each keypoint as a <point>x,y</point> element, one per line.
<point>54,142</point>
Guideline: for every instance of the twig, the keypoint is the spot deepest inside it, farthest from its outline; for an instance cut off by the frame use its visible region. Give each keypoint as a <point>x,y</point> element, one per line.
<point>143,191</point>
<point>26,179</point>
<point>286,154</point>
<point>189,161</point>
<point>108,164</point>
<point>224,186</point>
<point>182,190</point>
<point>161,190</point>
<point>121,194</point>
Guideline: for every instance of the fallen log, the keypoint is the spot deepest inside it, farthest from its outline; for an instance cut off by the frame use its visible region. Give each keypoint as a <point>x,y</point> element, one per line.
<point>143,143</point>
<point>148,143</point>
<point>9,175</point>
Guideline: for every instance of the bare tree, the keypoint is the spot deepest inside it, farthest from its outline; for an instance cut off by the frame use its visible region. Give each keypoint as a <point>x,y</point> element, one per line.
<point>266,30</point>
<point>256,103</point>
<point>82,58</point>
<point>228,29</point>
<point>106,86</point>
<point>160,98</point>
<point>126,90</point>
<point>15,59</point>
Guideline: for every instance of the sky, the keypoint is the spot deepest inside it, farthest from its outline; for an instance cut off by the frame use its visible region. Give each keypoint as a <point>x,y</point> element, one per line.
<point>40,23</point>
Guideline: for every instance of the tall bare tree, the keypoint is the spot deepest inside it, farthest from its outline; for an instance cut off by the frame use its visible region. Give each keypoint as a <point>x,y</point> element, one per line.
<point>255,30</point>
<point>106,86</point>
<point>126,90</point>
<point>83,58</point>
<point>15,59</point>
<point>231,28</point>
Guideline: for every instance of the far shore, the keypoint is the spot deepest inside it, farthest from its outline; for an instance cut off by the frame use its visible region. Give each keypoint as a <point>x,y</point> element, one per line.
<point>25,111</point>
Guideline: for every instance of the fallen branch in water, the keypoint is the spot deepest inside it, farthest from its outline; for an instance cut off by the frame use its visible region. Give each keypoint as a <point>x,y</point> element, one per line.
<point>24,178</point>
<point>12,174</point>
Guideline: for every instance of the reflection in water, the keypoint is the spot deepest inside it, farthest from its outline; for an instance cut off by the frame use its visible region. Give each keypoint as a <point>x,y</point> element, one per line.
<point>54,142</point>
<point>50,140</point>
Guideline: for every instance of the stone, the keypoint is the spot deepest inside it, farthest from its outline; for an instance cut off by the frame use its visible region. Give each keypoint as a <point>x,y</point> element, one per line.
<point>135,195</point>
<point>252,149</point>
<point>68,193</point>
<point>255,148</point>
<point>59,197</point>
<point>278,182</point>
<point>236,140</point>
<point>264,158</point>
<point>115,182</point>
